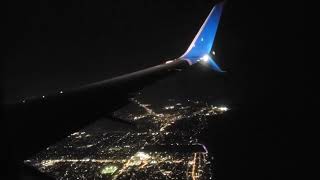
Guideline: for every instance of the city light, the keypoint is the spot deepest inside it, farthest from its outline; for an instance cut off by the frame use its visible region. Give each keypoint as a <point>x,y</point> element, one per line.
<point>169,107</point>
<point>143,156</point>
<point>165,146</point>
<point>223,108</point>
<point>110,169</point>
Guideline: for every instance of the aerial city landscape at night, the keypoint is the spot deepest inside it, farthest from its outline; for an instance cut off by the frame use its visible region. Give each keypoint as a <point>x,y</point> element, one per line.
<point>164,144</point>
<point>144,89</point>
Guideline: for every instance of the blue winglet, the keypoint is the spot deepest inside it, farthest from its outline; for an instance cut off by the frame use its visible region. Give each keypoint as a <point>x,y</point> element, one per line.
<point>201,45</point>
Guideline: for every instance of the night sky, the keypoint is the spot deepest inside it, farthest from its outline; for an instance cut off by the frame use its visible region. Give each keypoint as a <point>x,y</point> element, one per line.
<point>59,45</point>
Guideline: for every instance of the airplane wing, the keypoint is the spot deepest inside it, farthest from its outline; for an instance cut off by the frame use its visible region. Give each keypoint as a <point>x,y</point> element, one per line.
<point>44,120</point>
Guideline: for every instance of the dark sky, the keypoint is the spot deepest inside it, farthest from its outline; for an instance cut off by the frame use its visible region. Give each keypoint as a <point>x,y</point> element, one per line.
<point>55,45</point>
<point>61,45</point>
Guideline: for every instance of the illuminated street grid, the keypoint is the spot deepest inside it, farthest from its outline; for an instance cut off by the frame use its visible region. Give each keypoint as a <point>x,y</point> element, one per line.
<point>163,145</point>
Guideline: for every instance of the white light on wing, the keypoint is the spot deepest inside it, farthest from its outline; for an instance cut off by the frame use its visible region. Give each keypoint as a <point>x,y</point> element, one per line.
<point>205,58</point>
<point>167,62</point>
